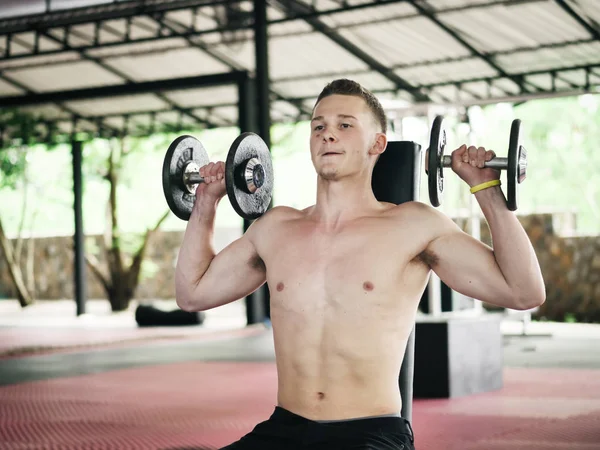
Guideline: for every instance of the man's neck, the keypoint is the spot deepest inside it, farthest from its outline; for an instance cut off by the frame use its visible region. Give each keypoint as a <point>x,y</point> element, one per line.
<point>343,200</point>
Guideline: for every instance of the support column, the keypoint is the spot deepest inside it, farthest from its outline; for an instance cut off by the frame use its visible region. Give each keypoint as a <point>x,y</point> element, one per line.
<point>255,302</point>
<point>78,238</point>
<point>263,113</point>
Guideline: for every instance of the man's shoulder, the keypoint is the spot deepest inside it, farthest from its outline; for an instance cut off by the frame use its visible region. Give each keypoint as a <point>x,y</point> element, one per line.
<point>423,216</point>
<point>274,217</point>
<point>413,210</point>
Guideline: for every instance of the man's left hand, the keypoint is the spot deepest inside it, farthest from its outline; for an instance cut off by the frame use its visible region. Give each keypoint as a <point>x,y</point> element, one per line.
<point>468,163</point>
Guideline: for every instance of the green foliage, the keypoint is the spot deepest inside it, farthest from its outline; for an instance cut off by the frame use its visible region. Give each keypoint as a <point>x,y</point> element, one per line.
<point>12,167</point>
<point>19,131</point>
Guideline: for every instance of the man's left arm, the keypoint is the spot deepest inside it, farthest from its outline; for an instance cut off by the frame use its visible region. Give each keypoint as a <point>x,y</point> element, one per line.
<point>506,275</point>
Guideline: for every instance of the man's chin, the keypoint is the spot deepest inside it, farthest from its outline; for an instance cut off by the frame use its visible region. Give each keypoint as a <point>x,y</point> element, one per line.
<point>329,175</point>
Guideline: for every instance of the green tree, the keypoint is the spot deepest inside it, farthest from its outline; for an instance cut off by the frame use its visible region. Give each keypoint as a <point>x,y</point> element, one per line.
<point>123,257</point>
<point>18,133</point>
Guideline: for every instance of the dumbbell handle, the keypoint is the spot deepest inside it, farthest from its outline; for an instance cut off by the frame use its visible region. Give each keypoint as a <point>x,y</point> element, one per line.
<point>498,162</point>
<point>252,175</point>
<point>192,178</point>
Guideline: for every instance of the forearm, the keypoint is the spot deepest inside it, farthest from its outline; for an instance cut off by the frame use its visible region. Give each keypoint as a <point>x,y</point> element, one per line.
<point>196,252</point>
<point>513,251</point>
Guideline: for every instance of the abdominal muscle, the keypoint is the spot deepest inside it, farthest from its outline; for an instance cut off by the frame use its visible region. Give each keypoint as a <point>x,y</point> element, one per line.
<point>332,369</point>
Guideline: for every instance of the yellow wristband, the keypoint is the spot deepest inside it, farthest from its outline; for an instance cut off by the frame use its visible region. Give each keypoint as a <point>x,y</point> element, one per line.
<point>482,186</point>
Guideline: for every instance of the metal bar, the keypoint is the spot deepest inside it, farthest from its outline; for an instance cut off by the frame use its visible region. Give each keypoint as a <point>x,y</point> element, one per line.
<point>580,20</point>
<point>259,300</point>
<point>247,121</point>
<point>372,62</point>
<point>499,162</point>
<point>231,63</point>
<point>27,23</point>
<point>122,89</point>
<point>192,178</point>
<point>433,17</point>
<point>111,69</point>
<point>109,11</point>
<point>78,238</point>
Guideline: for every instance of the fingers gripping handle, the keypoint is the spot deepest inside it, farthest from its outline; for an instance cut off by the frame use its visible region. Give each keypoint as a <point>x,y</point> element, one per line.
<point>500,163</point>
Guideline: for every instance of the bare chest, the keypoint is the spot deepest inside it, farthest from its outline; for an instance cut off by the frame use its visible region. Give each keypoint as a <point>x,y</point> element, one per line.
<point>342,271</point>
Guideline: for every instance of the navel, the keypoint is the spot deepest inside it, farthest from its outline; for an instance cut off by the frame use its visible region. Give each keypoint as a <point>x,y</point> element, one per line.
<point>368,286</point>
<point>320,395</point>
<point>280,286</point>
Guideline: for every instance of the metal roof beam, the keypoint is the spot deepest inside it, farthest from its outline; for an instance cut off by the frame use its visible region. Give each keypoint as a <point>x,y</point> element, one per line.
<point>590,70</point>
<point>227,61</point>
<point>580,20</point>
<point>399,82</point>
<point>147,87</point>
<point>74,114</point>
<point>108,11</point>
<point>433,17</point>
<point>126,78</point>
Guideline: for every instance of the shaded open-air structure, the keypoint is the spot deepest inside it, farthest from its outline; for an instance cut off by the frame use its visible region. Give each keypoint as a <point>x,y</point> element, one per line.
<point>93,68</point>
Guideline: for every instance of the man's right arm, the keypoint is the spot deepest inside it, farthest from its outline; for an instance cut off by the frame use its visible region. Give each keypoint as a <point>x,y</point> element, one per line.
<point>204,279</point>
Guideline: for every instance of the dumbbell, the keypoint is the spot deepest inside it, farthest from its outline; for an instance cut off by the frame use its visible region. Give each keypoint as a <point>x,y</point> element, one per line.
<point>248,175</point>
<point>515,164</point>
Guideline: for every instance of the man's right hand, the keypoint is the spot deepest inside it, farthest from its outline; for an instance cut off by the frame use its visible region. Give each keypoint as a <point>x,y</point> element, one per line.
<point>213,188</point>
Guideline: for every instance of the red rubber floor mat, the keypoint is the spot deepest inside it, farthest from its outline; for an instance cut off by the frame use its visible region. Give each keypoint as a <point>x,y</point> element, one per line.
<point>208,405</point>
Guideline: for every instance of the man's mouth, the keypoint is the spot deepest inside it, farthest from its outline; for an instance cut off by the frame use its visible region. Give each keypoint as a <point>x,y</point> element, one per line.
<point>331,153</point>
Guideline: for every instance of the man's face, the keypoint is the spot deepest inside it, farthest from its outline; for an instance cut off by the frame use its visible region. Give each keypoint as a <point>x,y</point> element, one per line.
<point>343,134</point>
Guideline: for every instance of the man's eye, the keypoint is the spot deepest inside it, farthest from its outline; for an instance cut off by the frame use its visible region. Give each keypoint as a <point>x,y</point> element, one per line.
<point>345,125</point>
<point>318,127</point>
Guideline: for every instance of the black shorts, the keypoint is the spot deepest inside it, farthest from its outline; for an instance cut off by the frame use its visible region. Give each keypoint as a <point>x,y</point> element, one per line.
<point>285,430</point>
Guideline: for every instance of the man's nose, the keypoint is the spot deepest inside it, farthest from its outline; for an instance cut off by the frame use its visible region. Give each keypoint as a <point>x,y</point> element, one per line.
<point>329,136</point>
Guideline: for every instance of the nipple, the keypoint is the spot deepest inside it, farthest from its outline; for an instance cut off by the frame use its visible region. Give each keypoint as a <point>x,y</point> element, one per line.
<point>368,286</point>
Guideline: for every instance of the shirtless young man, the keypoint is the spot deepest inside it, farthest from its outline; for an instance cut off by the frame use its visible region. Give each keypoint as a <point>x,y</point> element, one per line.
<point>346,276</point>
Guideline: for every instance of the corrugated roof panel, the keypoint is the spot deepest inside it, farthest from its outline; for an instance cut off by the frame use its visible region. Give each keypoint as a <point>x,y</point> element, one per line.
<point>587,9</point>
<point>48,111</point>
<point>445,72</point>
<point>66,76</point>
<point>315,54</point>
<point>143,27</point>
<point>21,43</point>
<point>224,115</point>
<point>577,77</point>
<point>217,95</point>
<point>118,105</point>
<point>445,4</point>
<point>382,13</point>
<point>7,88</point>
<point>289,27</point>
<point>241,52</point>
<point>138,48</point>
<point>405,42</point>
<point>115,122</point>
<point>500,28</point>
<point>507,87</point>
<point>173,64</point>
<point>320,5</point>
<point>38,62</point>
<point>313,86</point>
<point>186,18</point>
<point>547,59</point>
<point>274,13</point>
<point>284,109</point>
<point>312,54</point>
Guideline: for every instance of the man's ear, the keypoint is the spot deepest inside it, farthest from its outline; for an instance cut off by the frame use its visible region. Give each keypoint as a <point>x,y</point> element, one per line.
<point>379,144</point>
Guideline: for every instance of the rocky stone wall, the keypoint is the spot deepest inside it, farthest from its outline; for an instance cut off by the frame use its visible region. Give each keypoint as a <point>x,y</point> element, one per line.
<point>570,265</point>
